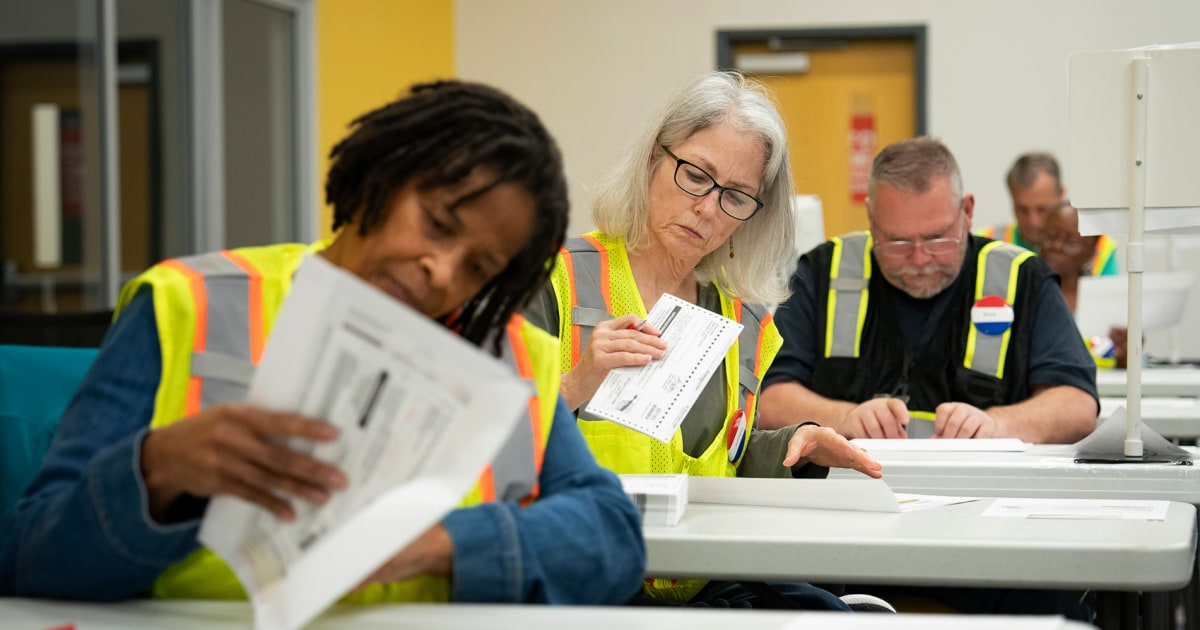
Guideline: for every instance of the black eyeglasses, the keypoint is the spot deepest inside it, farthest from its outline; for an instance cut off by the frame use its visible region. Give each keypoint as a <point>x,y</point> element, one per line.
<point>694,181</point>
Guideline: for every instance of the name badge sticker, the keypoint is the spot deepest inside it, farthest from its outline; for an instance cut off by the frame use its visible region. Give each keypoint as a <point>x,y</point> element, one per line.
<point>991,315</point>
<point>735,438</point>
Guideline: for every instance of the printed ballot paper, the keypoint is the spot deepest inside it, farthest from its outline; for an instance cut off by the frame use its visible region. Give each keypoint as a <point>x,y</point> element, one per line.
<point>653,399</point>
<point>420,412</point>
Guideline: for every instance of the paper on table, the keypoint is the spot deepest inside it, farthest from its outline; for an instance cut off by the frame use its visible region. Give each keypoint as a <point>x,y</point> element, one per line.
<point>861,495</point>
<point>661,499</point>
<point>946,445</point>
<point>420,413</point>
<point>655,484</point>
<point>1079,508</point>
<point>914,502</point>
<point>653,399</point>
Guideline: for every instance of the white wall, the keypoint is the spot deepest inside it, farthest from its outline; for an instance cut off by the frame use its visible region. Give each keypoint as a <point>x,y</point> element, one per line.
<point>596,69</point>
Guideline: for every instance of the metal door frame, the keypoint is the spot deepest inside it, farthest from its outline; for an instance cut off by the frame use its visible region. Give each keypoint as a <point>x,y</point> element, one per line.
<point>916,33</point>
<point>208,122</point>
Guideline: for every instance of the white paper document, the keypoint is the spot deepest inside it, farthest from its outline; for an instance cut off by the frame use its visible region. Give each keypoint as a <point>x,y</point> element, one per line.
<point>860,495</point>
<point>421,412</point>
<point>948,445</point>
<point>914,502</point>
<point>1128,509</point>
<point>653,399</point>
<point>661,499</point>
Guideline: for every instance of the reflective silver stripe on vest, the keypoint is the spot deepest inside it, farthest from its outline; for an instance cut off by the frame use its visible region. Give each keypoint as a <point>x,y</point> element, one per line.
<point>222,367</point>
<point>514,471</point>
<point>589,303</point>
<point>752,318</point>
<point>847,290</point>
<point>588,317</point>
<point>225,365</point>
<point>590,308</point>
<point>997,265</point>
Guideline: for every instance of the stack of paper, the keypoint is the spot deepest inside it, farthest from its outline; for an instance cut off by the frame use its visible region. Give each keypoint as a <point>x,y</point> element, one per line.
<point>660,498</point>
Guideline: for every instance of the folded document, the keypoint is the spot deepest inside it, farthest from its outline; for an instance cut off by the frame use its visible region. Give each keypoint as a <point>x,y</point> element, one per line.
<point>420,413</point>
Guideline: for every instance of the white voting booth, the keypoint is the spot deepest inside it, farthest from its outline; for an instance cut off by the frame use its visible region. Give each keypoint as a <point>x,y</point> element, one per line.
<point>1134,137</point>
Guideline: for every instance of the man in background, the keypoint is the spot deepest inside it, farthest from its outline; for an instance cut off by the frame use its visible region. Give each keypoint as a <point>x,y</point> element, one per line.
<point>1035,184</point>
<point>918,329</point>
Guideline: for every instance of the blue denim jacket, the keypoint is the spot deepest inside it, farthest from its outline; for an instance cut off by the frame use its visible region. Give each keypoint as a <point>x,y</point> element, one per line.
<point>83,529</point>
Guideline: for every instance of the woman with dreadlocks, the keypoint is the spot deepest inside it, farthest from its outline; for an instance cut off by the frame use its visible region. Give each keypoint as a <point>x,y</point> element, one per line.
<point>451,200</point>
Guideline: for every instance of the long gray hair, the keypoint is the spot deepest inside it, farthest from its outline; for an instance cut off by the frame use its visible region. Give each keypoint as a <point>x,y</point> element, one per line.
<point>765,244</point>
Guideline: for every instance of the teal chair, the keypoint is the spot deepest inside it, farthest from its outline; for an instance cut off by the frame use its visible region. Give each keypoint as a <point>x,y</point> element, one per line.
<point>36,383</point>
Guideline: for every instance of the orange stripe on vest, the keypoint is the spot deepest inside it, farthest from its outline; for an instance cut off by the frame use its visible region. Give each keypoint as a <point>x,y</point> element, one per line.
<point>200,298</point>
<point>257,340</point>
<point>525,368</point>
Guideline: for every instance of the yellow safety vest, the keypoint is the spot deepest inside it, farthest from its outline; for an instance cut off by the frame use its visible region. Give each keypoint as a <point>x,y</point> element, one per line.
<point>214,313</point>
<point>1006,232</point>
<point>593,282</point>
<point>997,267</point>
<point>1106,249</point>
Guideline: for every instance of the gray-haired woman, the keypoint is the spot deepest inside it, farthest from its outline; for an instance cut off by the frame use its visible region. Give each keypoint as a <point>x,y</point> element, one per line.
<point>699,208</point>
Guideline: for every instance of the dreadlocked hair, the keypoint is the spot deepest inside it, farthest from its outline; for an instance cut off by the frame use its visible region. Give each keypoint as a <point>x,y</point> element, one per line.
<point>437,135</point>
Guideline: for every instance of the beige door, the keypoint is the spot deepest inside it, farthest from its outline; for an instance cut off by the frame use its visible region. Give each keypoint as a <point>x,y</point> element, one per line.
<point>854,98</point>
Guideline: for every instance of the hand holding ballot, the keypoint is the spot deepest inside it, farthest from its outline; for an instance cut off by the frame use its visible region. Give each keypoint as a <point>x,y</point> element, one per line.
<point>296,424</point>
<point>654,398</point>
<point>627,341</point>
<point>430,554</point>
<point>235,449</point>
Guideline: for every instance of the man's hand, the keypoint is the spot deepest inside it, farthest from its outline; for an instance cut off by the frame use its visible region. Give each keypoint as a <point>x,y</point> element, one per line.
<point>825,447</point>
<point>960,420</point>
<point>877,418</point>
<point>237,449</point>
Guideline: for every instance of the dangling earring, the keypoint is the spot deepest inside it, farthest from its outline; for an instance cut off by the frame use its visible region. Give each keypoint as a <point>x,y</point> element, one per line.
<point>731,247</point>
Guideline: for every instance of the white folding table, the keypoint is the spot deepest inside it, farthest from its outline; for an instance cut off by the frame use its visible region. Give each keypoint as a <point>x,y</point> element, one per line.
<point>1156,381</point>
<point>946,546</point>
<point>20,614</point>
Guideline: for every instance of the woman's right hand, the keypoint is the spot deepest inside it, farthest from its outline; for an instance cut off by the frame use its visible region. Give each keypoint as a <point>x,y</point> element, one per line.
<point>614,343</point>
<point>238,450</point>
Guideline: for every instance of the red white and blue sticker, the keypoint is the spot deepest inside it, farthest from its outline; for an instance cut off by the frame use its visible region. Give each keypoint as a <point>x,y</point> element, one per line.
<point>735,437</point>
<point>991,315</point>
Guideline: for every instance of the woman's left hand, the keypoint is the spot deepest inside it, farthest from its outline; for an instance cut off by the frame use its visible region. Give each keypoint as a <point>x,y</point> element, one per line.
<point>825,447</point>
<point>432,553</point>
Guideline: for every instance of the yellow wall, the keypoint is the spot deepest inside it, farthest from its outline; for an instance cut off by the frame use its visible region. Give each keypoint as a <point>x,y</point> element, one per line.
<point>368,52</point>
